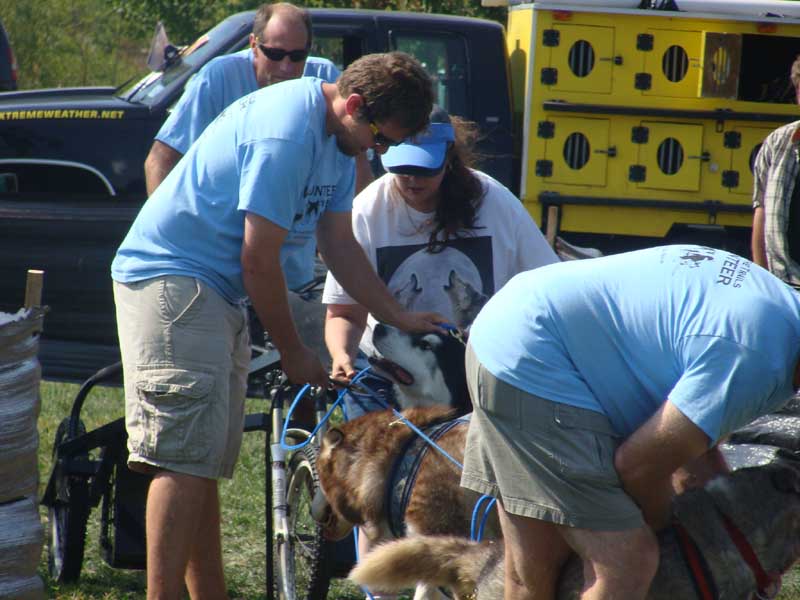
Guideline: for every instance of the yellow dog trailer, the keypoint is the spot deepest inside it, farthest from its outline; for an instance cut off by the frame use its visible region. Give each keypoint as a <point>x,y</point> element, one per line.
<point>640,123</point>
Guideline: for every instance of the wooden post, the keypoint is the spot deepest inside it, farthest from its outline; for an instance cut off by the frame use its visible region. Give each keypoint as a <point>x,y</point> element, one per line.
<point>552,225</point>
<point>33,288</point>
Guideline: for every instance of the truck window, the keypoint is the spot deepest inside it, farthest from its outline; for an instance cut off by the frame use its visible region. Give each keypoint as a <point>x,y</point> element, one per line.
<point>444,55</point>
<point>339,49</point>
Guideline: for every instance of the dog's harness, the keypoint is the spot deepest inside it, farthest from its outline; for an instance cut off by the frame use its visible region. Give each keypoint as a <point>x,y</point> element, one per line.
<point>405,470</point>
<point>767,583</point>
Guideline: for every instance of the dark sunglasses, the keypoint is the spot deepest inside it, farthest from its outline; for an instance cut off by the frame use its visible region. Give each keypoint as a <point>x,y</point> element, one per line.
<point>380,139</point>
<point>278,54</point>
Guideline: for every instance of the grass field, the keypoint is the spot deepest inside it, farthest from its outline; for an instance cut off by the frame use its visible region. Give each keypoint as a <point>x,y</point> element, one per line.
<point>242,513</point>
<point>242,510</point>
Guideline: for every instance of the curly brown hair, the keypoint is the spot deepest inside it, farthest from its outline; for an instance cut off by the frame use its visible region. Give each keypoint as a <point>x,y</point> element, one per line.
<point>461,192</point>
<point>395,87</point>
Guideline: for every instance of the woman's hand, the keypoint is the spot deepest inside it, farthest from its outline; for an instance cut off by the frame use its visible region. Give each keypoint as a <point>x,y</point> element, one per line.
<point>342,368</point>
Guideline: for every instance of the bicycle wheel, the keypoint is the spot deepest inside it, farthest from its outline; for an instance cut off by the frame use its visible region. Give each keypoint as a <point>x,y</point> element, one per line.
<point>300,560</point>
<point>67,517</point>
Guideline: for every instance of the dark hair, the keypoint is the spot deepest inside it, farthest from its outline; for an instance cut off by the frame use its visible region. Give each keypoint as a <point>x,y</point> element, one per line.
<point>395,87</point>
<point>461,192</point>
<point>267,11</point>
<point>794,74</point>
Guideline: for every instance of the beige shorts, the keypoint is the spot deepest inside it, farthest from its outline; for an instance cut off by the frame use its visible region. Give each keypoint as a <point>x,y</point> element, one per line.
<point>544,460</point>
<point>185,354</point>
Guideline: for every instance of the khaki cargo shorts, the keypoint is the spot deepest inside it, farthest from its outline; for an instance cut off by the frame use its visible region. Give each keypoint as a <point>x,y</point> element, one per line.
<point>544,460</point>
<point>185,354</point>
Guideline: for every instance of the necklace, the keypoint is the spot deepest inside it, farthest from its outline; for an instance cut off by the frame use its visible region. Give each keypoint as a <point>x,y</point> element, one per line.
<point>417,225</point>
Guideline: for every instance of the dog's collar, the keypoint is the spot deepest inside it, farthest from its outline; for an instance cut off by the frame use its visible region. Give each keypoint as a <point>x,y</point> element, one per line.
<point>454,332</point>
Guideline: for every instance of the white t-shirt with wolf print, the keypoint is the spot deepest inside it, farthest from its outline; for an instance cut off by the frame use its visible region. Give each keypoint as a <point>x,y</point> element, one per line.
<point>457,281</point>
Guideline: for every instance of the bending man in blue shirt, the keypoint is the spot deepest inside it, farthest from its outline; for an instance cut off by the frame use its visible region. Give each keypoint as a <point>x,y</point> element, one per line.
<point>600,386</point>
<point>272,170</point>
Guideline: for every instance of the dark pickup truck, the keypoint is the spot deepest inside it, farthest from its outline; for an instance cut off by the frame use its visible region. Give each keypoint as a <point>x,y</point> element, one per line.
<point>71,160</point>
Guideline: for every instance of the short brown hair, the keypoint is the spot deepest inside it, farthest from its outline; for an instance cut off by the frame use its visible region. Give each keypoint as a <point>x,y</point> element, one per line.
<point>794,74</point>
<point>267,11</point>
<point>395,87</point>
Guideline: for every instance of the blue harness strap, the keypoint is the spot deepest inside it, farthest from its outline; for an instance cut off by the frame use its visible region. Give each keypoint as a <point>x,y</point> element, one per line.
<point>405,470</point>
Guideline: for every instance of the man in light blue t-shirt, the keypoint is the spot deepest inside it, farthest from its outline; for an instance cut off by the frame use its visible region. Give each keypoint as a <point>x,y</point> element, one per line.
<point>602,386</point>
<point>280,28</point>
<point>278,52</point>
<point>271,171</point>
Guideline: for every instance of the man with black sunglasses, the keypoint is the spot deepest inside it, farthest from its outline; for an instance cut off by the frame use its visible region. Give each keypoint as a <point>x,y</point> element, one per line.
<point>280,28</point>
<point>273,170</point>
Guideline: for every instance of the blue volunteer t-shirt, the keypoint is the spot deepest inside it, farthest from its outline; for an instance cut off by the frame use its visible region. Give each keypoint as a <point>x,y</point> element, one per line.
<point>268,153</point>
<point>221,81</point>
<point>712,332</point>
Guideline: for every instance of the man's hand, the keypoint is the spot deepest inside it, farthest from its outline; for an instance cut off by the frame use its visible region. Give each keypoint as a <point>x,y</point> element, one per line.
<point>419,322</point>
<point>302,366</point>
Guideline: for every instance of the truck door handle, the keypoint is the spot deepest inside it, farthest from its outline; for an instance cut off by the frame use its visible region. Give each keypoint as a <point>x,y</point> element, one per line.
<point>617,60</point>
<point>705,156</point>
<point>611,151</point>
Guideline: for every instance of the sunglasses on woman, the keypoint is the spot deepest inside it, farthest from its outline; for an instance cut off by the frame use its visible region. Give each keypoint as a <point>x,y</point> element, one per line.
<point>278,54</point>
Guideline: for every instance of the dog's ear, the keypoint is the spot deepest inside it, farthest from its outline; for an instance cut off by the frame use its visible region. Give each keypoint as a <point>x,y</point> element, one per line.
<point>333,437</point>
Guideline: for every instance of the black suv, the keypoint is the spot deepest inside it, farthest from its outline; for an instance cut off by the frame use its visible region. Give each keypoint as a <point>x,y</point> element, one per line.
<point>8,63</point>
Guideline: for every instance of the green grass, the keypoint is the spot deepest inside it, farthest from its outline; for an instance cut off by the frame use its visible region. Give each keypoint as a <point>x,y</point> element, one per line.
<point>242,513</point>
<point>242,501</point>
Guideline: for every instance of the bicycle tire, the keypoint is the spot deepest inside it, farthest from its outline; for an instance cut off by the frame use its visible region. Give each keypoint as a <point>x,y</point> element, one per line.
<point>300,560</point>
<point>67,517</point>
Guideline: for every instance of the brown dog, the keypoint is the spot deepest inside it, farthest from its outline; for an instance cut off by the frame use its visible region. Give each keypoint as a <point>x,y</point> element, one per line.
<point>762,503</point>
<point>355,467</point>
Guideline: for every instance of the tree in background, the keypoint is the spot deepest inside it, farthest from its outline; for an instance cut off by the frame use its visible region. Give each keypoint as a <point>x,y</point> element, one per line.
<point>72,43</point>
<point>105,42</point>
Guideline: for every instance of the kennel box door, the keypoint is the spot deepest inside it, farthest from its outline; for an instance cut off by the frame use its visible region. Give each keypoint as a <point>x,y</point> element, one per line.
<point>578,150</point>
<point>674,64</point>
<point>747,142</point>
<point>672,156</point>
<point>581,58</point>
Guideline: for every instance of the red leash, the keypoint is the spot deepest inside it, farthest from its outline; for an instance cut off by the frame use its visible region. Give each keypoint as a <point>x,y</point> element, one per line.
<point>691,553</point>
<point>767,583</point>
<point>764,580</point>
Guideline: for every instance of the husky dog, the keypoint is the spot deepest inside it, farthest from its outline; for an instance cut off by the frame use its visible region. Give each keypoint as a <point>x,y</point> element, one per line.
<point>427,369</point>
<point>365,480</point>
<point>465,299</point>
<point>760,505</point>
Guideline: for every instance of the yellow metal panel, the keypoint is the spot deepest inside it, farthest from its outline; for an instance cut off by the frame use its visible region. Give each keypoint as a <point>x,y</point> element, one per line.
<point>583,58</point>
<point>742,158</point>
<point>622,220</point>
<point>578,151</point>
<point>672,156</point>
<point>674,63</point>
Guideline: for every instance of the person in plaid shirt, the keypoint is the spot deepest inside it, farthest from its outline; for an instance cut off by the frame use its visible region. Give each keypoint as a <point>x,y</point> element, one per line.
<point>776,199</point>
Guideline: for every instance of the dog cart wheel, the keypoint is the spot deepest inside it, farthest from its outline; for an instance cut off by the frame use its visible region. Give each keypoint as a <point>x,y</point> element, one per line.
<point>67,515</point>
<point>298,550</point>
<point>300,559</point>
